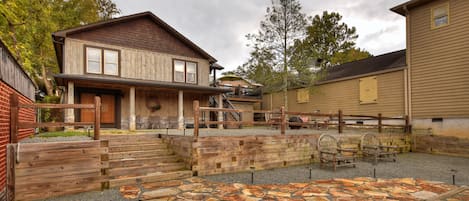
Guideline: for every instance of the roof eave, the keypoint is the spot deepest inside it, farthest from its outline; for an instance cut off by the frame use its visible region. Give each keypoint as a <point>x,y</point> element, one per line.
<point>64,33</point>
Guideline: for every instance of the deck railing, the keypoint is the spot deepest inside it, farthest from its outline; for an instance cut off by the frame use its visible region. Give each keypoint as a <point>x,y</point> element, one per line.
<point>279,119</point>
<point>16,124</point>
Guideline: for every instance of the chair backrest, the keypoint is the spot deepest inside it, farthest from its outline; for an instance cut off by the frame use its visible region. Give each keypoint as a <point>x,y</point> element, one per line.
<point>369,140</point>
<point>327,142</point>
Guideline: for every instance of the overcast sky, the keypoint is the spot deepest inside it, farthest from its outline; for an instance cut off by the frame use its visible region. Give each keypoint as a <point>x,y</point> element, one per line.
<point>219,26</point>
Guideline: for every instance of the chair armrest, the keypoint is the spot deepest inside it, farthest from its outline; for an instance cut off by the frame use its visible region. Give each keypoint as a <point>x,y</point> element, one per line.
<point>390,147</point>
<point>370,147</point>
<point>327,152</point>
<point>348,150</point>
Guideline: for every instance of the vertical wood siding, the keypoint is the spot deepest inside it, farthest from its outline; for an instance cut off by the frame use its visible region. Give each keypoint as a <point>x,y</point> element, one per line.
<point>13,74</point>
<point>135,63</point>
<point>440,62</point>
<point>345,95</point>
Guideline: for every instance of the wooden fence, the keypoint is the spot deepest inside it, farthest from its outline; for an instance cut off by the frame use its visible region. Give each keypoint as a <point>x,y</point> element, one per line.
<point>16,124</point>
<point>279,118</point>
<point>43,170</point>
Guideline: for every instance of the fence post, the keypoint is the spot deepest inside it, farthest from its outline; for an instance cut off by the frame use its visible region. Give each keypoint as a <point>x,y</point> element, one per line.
<point>11,162</point>
<point>380,123</point>
<point>240,120</point>
<point>97,117</point>
<point>339,124</point>
<point>14,110</point>
<point>196,118</point>
<point>283,122</point>
<point>407,127</point>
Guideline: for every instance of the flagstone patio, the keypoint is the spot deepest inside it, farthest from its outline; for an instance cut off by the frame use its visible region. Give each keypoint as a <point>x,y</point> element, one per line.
<point>362,188</point>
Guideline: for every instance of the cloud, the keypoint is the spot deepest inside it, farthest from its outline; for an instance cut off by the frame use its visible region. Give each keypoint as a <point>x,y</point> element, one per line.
<point>219,26</point>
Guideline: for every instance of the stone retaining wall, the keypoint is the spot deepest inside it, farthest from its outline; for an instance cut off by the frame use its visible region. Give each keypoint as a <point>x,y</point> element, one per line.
<point>447,145</point>
<point>226,154</point>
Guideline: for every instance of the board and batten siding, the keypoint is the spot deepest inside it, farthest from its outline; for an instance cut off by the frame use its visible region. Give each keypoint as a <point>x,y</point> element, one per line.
<point>12,74</point>
<point>345,95</point>
<point>440,62</point>
<point>135,63</point>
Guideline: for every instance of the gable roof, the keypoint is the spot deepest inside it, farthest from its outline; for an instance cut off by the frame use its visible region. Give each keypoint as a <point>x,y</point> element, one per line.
<point>388,61</point>
<point>58,37</point>
<point>401,8</point>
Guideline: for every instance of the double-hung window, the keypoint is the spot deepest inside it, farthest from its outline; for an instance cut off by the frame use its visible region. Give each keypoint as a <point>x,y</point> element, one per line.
<point>185,71</point>
<point>102,61</point>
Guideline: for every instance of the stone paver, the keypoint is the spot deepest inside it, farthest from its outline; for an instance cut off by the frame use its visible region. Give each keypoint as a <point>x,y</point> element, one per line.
<point>362,188</point>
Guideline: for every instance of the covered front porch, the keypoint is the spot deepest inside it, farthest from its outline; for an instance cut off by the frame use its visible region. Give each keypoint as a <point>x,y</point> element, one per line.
<point>131,104</point>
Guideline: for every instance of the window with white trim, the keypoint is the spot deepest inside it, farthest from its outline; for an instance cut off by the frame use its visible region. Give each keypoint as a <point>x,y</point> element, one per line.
<point>185,71</point>
<point>93,60</point>
<point>102,61</point>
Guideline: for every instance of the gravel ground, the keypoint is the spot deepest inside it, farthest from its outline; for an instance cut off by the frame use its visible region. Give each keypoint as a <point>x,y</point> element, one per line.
<point>54,139</point>
<point>416,165</point>
<point>257,131</point>
<point>107,195</point>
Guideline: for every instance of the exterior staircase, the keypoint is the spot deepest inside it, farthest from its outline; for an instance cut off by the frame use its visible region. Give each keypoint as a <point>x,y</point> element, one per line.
<point>142,158</point>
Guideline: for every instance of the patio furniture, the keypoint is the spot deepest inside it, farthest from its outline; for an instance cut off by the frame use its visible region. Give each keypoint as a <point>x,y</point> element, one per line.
<point>274,119</point>
<point>372,148</point>
<point>331,153</point>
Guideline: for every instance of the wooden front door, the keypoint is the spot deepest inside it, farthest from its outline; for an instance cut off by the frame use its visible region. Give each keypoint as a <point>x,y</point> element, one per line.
<point>108,106</point>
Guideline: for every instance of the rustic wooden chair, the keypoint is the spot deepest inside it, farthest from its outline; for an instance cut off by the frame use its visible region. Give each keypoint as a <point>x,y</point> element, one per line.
<point>274,119</point>
<point>372,148</point>
<point>330,153</point>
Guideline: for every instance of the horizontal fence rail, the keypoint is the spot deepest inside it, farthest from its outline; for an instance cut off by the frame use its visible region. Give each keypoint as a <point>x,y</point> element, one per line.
<point>17,124</point>
<point>279,118</point>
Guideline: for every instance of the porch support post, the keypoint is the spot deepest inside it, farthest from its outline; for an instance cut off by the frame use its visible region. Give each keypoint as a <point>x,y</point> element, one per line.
<point>180,109</point>
<point>132,124</point>
<point>70,113</point>
<point>220,113</point>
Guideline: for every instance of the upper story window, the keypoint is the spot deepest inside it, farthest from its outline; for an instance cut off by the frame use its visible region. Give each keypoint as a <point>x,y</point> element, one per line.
<point>440,16</point>
<point>185,71</point>
<point>102,61</point>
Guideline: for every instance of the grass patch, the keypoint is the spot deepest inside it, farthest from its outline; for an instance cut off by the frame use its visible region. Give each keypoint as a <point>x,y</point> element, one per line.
<point>63,134</point>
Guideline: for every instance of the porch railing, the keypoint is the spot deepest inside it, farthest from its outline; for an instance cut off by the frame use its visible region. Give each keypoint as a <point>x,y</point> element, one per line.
<point>16,124</point>
<point>279,119</point>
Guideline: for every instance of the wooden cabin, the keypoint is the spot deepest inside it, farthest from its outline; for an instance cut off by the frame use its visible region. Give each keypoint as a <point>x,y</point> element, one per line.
<point>438,65</point>
<point>367,87</point>
<point>146,73</point>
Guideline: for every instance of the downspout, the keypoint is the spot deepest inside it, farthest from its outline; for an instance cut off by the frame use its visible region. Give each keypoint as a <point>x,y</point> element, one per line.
<point>407,72</point>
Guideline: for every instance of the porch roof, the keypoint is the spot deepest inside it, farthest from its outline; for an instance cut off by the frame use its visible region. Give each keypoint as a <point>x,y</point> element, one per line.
<point>63,78</point>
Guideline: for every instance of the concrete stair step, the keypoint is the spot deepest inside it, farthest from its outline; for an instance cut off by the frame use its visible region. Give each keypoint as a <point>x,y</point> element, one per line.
<point>135,162</point>
<point>154,177</point>
<point>145,169</point>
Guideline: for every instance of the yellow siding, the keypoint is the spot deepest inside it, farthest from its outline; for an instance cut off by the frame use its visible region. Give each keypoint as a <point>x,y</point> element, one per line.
<point>439,62</point>
<point>135,63</point>
<point>345,95</point>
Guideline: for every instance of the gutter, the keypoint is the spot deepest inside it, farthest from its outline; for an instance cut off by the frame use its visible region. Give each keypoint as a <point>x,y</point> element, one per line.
<point>362,75</point>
